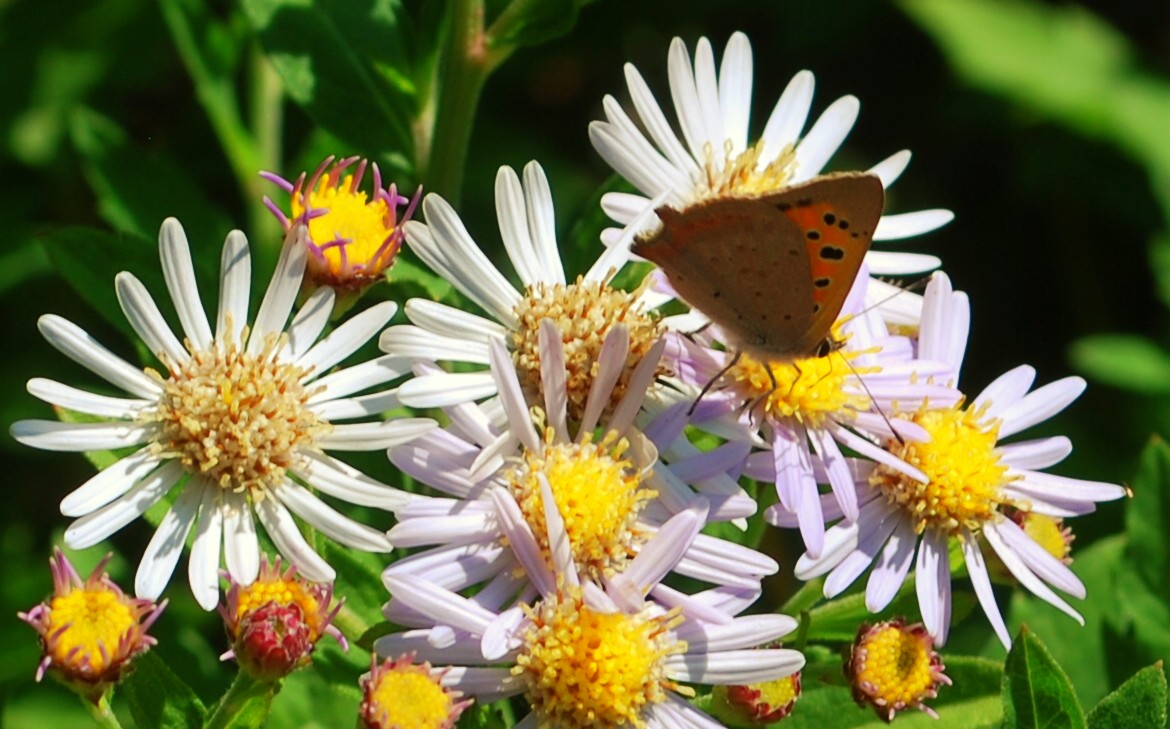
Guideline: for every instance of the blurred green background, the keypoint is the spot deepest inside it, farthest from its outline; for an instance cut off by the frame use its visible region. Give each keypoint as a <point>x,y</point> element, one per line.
<point>1045,126</point>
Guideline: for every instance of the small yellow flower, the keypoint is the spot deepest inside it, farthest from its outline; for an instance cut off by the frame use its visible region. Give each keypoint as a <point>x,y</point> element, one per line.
<point>90,630</point>
<point>400,694</point>
<point>353,239</point>
<point>275,622</point>
<point>756,704</point>
<point>893,667</point>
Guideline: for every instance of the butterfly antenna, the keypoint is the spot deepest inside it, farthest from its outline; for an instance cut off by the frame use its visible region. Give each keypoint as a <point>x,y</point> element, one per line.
<point>872,399</point>
<point>713,380</point>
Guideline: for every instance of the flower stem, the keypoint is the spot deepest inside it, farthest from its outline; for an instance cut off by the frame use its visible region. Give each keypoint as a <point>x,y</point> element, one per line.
<point>245,694</point>
<point>468,58</point>
<point>102,713</point>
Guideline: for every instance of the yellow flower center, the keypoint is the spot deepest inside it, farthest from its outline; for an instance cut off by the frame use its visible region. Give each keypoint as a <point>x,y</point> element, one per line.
<point>584,312</point>
<point>894,667</point>
<point>741,175</point>
<point>598,493</point>
<point>407,697</point>
<point>963,467</point>
<point>235,418</point>
<point>811,390</point>
<point>1049,532</point>
<point>94,620</point>
<point>282,592</point>
<point>351,237</point>
<point>590,669</point>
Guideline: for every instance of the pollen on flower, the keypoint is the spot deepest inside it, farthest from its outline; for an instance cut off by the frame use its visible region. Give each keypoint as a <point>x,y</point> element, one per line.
<point>597,491</point>
<point>353,239</point>
<point>893,666</point>
<point>964,470</point>
<point>237,419</point>
<point>742,175</point>
<point>584,312</point>
<point>811,390</point>
<point>90,630</point>
<point>400,694</point>
<point>586,668</point>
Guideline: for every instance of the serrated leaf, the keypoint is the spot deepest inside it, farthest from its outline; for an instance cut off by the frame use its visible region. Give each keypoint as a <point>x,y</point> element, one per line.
<point>1140,703</point>
<point>346,65</point>
<point>159,699</point>
<point>1036,692</point>
<point>1126,361</point>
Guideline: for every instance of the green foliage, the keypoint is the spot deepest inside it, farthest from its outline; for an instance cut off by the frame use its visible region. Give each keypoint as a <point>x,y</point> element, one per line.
<point>159,699</point>
<point>1036,692</point>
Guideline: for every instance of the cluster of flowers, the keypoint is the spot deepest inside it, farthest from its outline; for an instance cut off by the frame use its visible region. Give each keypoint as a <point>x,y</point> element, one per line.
<point>571,478</point>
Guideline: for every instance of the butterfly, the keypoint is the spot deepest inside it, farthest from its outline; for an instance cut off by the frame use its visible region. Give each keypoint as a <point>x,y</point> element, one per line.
<point>772,272</point>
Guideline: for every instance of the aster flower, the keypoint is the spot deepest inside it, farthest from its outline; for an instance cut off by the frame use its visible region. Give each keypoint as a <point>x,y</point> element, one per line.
<point>584,311</point>
<point>90,630</point>
<point>802,414</point>
<point>352,241</point>
<point>973,482</point>
<point>401,693</point>
<point>714,110</point>
<point>757,704</point>
<point>585,655</point>
<point>275,622</point>
<point>613,491</point>
<point>892,667</point>
<point>239,423</point>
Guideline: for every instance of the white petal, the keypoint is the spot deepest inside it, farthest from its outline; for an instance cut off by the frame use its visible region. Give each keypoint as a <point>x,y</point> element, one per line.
<point>908,225</point>
<point>52,435</point>
<point>1016,565</point>
<point>235,287</point>
<point>735,90</point>
<point>1040,405</point>
<point>1006,390</point>
<point>147,320</point>
<point>826,135</point>
<point>788,116</point>
<point>162,553</point>
<point>203,563</point>
<point>933,584</point>
<point>328,521</point>
<point>512,216</point>
<point>892,167</point>
<point>357,378</point>
<point>347,339</point>
<point>542,223</point>
<point>241,548</point>
<point>81,401</point>
<point>340,480</point>
<point>373,436</point>
<point>309,322</point>
<point>83,349</point>
<point>448,321</point>
<point>282,290</point>
<point>109,483</point>
<point>734,667</point>
<point>436,391</point>
<point>287,537</point>
<point>981,581</point>
<point>179,273</point>
<point>89,530</point>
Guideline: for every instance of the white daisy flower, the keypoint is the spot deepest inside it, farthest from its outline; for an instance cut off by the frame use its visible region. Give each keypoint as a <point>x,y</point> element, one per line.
<point>584,310</point>
<point>239,423</point>
<point>973,484</point>
<point>613,490</point>
<point>714,157</point>
<point>584,654</point>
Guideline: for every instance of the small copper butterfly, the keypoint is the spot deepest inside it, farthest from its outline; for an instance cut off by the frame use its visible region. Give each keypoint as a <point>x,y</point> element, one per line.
<point>772,272</point>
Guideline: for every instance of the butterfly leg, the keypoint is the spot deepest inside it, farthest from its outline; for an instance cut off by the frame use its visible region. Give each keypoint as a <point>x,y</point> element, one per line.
<point>718,376</point>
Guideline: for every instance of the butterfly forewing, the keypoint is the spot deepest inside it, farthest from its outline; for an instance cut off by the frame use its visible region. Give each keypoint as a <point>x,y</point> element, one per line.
<point>772,272</point>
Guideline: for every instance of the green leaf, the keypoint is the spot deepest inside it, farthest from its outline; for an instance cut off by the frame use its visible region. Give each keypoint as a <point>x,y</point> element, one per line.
<point>346,63</point>
<point>1147,516</point>
<point>531,22</point>
<point>158,698</point>
<point>1140,703</point>
<point>89,259</point>
<point>138,189</point>
<point>245,705</point>
<point>838,619</point>
<point>1126,361</point>
<point>1036,692</point>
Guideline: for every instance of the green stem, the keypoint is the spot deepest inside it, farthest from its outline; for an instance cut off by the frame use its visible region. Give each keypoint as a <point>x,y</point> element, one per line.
<point>352,625</point>
<point>216,94</point>
<point>267,117</point>
<point>244,691</point>
<point>468,58</point>
<point>102,712</point>
<point>807,596</point>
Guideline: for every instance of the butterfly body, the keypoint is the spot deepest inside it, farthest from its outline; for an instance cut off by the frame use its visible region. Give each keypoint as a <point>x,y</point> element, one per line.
<point>772,272</point>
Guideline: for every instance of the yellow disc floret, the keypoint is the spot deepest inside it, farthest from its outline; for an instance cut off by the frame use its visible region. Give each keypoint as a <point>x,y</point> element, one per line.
<point>597,491</point>
<point>741,175</point>
<point>353,233</point>
<point>893,666</point>
<point>962,464</point>
<point>586,668</point>
<point>411,700</point>
<point>92,621</point>
<point>282,592</point>
<point>236,418</point>
<point>584,313</point>
<point>810,390</point>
